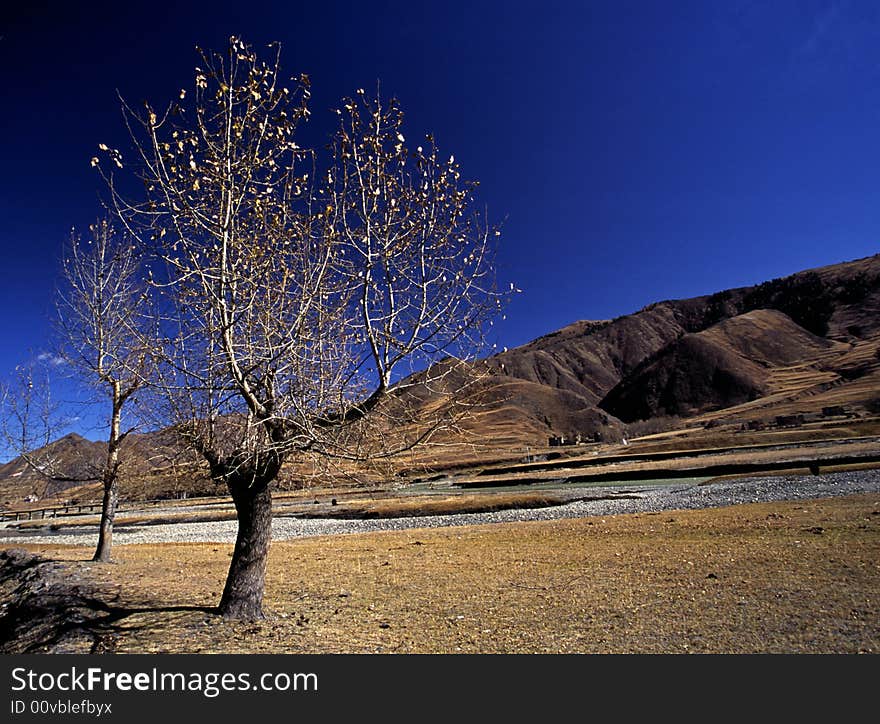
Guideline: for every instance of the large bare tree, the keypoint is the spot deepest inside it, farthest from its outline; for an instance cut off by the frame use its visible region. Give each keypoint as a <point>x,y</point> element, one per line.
<point>303,312</point>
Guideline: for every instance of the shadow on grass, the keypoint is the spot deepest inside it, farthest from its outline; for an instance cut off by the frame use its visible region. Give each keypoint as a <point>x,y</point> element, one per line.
<point>47,610</point>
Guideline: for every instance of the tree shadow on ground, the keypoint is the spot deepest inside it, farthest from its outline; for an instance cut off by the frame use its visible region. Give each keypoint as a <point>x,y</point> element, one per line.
<point>46,609</point>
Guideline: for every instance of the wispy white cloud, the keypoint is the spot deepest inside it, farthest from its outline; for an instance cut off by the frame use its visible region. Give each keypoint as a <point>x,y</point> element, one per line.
<point>51,359</point>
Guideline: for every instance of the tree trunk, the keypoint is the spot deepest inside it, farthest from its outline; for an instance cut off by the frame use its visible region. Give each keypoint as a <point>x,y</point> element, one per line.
<point>243,594</point>
<point>111,479</point>
<point>108,513</point>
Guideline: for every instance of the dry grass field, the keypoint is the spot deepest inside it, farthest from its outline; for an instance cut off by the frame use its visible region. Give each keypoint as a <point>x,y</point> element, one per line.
<point>792,577</point>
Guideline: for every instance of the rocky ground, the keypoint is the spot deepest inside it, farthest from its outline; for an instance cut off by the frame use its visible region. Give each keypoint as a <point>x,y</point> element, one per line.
<point>797,572</point>
<point>593,502</point>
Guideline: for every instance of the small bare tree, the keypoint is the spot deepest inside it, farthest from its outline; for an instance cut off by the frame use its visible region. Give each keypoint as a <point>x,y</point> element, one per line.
<point>101,308</point>
<point>296,305</point>
<point>100,304</point>
<point>32,418</point>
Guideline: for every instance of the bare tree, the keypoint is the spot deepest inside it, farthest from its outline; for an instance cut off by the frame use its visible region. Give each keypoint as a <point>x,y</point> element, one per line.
<point>101,307</point>
<point>100,304</point>
<point>302,313</point>
<point>32,418</point>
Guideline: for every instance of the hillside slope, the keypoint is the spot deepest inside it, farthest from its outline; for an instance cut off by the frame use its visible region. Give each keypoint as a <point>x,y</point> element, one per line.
<point>724,365</point>
<point>681,357</point>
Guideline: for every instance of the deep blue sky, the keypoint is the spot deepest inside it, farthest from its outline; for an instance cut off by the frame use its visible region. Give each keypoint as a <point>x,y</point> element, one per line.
<point>638,150</point>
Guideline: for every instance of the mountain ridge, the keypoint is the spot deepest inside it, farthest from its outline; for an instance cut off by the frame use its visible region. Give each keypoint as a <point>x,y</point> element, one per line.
<point>837,303</point>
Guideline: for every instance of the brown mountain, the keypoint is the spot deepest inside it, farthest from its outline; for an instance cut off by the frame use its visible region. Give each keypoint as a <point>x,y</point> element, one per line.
<point>70,468</point>
<point>67,462</point>
<point>683,357</point>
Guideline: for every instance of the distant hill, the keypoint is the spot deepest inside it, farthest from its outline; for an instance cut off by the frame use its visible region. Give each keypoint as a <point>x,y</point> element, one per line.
<point>69,461</point>
<point>790,346</point>
<point>683,357</point>
<point>70,468</point>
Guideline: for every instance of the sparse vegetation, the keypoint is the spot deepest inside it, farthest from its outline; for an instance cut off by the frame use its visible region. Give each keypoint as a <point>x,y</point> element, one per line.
<point>640,428</point>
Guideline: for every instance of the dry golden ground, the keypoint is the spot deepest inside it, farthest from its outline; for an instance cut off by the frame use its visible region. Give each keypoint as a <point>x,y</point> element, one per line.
<point>798,576</point>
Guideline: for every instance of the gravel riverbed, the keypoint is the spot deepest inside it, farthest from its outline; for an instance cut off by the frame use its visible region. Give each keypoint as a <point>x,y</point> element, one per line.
<point>640,499</point>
